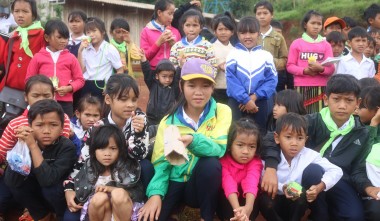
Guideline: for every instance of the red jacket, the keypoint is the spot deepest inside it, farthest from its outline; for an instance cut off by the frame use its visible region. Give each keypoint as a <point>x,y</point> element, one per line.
<point>20,60</point>
<point>67,69</point>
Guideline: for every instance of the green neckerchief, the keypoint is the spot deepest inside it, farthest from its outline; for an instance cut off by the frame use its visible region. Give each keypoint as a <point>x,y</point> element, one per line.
<point>23,32</point>
<point>309,39</point>
<point>333,128</point>
<point>120,47</point>
<point>373,157</point>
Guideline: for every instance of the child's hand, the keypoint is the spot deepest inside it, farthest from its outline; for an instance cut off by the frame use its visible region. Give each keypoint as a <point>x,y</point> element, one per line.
<point>312,193</point>
<point>151,210</point>
<point>84,44</point>
<point>104,189</point>
<point>373,192</point>
<point>269,182</point>
<point>291,197</point>
<point>138,122</point>
<point>164,37</point>
<point>142,55</point>
<point>308,71</point>
<point>239,215</point>
<point>71,205</point>
<point>316,67</point>
<point>196,3</point>
<point>376,119</point>
<point>62,91</point>
<point>186,139</point>
<point>249,107</point>
<point>25,133</point>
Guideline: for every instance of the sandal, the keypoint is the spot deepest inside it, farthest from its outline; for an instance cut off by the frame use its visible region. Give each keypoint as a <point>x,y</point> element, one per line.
<point>25,216</point>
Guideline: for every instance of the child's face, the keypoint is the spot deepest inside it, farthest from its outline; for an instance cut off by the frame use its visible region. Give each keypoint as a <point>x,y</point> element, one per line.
<point>76,25</point>
<point>345,31</point>
<point>192,28</point>
<point>278,111</point>
<point>358,44</point>
<point>366,115</point>
<point>313,26</point>
<point>37,92</point>
<point>341,106</point>
<point>56,41</point>
<point>108,155</point>
<point>333,27</point>
<point>122,108</point>
<point>264,16</point>
<point>369,51</point>
<point>197,93</point>
<point>243,148</point>
<point>248,39</point>
<point>165,78</point>
<point>120,35</point>
<point>22,13</point>
<point>166,17</point>
<point>223,33</point>
<point>47,128</point>
<point>337,48</point>
<point>290,141</point>
<point>96,36</point>
<point>89,116</point>
<point>376,36</point>
<point>375,22</point>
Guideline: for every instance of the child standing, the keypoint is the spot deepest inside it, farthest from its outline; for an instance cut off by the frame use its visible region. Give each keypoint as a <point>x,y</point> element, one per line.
<point>77,19</point>
<point>97,59</point>
<point>372,16</point>
<point>272,41</point>
<point>337,42</point>
<point>192,45</point>
<point>305,55</point>
<point>225,28</point>
<point>109,182</point>
<point>355,63</point>
<point>203,126</point>
<point>58,64</point>
<point>159,36</point>
<point>251,76</point>
<point>333,24</point>
<point>28,39</point>
<point>163,85</point>
<point>303,166</point>
<point>52,156</point>
<point>241,170</point>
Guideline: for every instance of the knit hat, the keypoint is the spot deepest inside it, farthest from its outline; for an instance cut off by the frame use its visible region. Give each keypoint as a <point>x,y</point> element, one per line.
<point>198,68</point>
<point>333,19</point>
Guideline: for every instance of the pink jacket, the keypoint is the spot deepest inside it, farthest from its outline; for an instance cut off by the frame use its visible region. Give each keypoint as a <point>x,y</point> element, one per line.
<point>299,52</point>
<point>153,53</point>
<point>67,69</point>
<point>246,175</point>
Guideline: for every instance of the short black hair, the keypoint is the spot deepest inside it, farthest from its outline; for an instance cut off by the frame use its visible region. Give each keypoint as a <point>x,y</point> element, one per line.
<point>307,17</point>
<point>244,126</point>
<point>335,37</point>
<point>350,22</point>
<point>276,24</point>
<point>33,6</point>
<point>368,82</point>
<point>119,23</point>
<point>165,65</point>
<point>226,19</point>
<point>371,40</point>
<point>248,24</point>
<point>37,79</point>
<point>161,5</point>
<point>357,32</point>
<point>89,100</point>
<point>374,31</point>
<point>291,120</point>
<point>94,23</point>
<point>342,84</point>
<point>370,98</point>
<point>371,12</point>
<point>77,14</point>
<point>193,13</point>
<point>264,4</point>
<point>56,24</point>
<point>119,84</point>
<point>43,107</point>
<point>295,104</point>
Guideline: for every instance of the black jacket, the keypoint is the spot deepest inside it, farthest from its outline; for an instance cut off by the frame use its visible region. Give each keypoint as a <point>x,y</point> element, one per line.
<point>59,159</point>
<point>349,154</point>
<point>161,99</point>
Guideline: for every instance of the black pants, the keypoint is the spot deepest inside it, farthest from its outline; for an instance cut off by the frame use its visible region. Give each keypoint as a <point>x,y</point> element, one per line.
<point>285,80</point>
<point>220,95</point>
<point>201,191</point>
<point>95,88</point>
<point>67,108</point>
<point>371,209</point>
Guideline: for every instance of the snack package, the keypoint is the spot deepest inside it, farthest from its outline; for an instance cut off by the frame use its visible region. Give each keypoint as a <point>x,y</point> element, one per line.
<point>19,158</point>
<point>55,81</point>
<point>294,189</point>
<point>174,149</point>
<point>86,38</point>
<point>312,59</point>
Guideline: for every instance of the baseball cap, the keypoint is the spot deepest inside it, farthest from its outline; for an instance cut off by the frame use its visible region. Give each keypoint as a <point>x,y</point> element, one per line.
<point>197,68</point>
<point>333,19</point>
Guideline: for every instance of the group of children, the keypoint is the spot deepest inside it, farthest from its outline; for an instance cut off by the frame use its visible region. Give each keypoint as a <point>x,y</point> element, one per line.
<point>250,145</point>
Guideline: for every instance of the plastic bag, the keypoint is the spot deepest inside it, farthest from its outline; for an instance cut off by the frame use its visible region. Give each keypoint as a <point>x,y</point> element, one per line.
<point>19,158</point>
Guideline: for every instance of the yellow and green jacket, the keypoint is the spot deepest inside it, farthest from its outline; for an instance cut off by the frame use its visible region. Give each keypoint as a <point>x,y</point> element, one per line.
<point>209,140</point>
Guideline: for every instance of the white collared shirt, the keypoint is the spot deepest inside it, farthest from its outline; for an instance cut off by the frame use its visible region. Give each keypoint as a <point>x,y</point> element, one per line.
<point>78,129</point>
<point>349,65</point>
<point>7,23</point>
<point>191,121</point>
<point>266,34</point>
<point>287,173</point>
<point>191,42</point>
<point>75,41</point>
<point>100,64</point>
<point>54,54</point>
<point>113,122</point>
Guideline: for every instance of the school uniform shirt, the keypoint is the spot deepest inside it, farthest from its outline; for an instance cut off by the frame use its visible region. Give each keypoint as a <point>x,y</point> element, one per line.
<point>221,53</point>
<point>8,140</point>
<point>349,65</point>
<point>235,174</point>
<point>275,43</point>
<point>74,44</point>
<point>62,64</point>
<point>287,173</point>
<point>299,53</point>
<point>7,23</point>
<point>100,64</point>
<point>373,159</point>
<point>20,60</point>
<point>250,72</point>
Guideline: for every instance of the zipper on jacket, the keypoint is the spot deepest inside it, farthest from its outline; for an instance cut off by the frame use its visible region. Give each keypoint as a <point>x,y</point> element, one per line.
<point>189,168</point>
